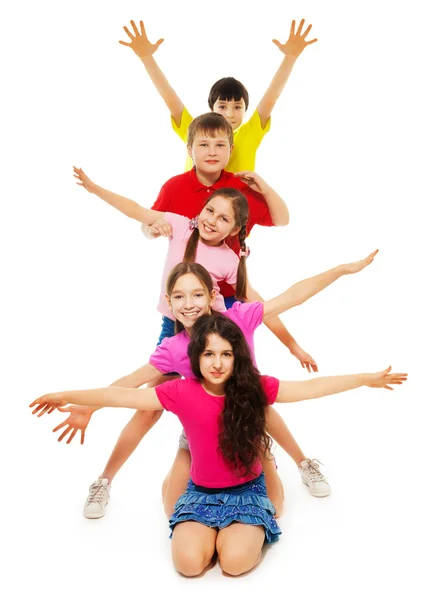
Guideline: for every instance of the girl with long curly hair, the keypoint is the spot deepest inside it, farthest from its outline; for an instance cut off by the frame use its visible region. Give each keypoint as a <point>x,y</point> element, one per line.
<point>225,508</point>
<point>190,294</point>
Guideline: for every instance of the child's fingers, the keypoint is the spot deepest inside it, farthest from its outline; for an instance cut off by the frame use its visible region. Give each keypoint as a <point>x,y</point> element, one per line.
<point>277,43</point>
<point>128,32</point>
<point>82,439</point>
<point>308,29</point>
<point>124,43</point>
<point>134,27</point>
<point>65,433</point>
<point>71,437</point>
<point>60,426</point>
<point>142,28</point>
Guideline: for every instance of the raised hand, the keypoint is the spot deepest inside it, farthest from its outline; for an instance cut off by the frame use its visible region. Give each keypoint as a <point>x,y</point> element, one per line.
<point>84,180</point>
<point>139,41</point>
<point>78,420</point>
<point>357,266</point>
<point>384,379</point>
<point>296,41</point>
<point>161,227</point>
<point>254,181</point>
<point>306,360</point>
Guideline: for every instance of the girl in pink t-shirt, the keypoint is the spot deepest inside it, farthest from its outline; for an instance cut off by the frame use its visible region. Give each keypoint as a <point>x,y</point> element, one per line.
<point>190,295</point>
<point>225,508</point>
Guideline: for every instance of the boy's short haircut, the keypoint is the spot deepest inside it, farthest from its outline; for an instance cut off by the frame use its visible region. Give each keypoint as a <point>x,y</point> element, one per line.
<point>209,124</point>
<point>228,88</point>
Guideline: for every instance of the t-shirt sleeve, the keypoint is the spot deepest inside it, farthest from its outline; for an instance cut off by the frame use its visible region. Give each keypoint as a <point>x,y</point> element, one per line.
<point>170,394</point>
<point>259,211</point>
<point>232,268</point>
<point>270,386</point>
<point>182,131</point>
<point>162,358</point>
<point>165,199</point>
<point>247,315</point>
<point>253,129</point>
<point>178,223</point>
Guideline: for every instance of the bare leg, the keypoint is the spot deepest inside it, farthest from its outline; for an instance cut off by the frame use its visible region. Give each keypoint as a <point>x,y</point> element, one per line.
<point>274,486</point>
<point>193,546</point>
<point>278,430</point>
<point>239,547</point>
<point>176,480</point>
<point>132,435</point>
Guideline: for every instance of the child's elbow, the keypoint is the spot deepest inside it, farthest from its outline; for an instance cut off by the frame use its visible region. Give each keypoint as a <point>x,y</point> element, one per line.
<point>281,220</point>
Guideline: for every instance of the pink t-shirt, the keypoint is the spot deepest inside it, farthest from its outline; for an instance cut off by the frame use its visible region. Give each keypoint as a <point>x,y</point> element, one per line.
<point>172,354</point>
<point>199,414</point>
<point>220,261</point>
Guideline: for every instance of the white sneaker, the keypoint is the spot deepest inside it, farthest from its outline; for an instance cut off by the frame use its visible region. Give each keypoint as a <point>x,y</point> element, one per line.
<point>98,498</point>
<point>314,479</point>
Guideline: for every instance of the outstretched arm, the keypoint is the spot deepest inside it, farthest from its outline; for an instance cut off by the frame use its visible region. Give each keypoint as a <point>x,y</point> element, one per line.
<point>277,206</point>
<point>292,49</point>
<point>126,206</point>
<point>277,327</point>
<point>294,391</point>
<point>145,51</point>
<point>144,399</point>
<point>303,290</point>
<point>79,416</point>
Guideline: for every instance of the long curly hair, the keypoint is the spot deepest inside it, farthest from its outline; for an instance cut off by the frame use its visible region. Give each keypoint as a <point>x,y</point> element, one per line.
<point>242,438</point>
<point>241,212</point>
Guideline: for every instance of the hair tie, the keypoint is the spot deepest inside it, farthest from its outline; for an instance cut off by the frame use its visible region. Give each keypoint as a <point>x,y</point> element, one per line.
<point>245,253</point>
<point>193,223</point>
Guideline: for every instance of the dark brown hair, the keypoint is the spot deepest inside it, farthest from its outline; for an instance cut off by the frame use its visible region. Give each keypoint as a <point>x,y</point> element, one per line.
<point>210,124</point>
<point>228,88</point>
<point>183,269</point>
<point>241,212</point>
<point>243,436</point>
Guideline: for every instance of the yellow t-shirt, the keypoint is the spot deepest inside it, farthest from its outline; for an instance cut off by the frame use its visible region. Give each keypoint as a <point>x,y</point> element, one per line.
<point>247,138</point>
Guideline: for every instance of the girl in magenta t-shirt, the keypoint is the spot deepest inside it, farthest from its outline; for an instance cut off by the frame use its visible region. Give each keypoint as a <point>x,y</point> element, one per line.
<point>190,295</point>
<point>225,508</point>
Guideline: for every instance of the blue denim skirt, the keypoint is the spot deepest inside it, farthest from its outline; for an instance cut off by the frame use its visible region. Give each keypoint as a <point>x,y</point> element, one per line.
<point>246,503</point>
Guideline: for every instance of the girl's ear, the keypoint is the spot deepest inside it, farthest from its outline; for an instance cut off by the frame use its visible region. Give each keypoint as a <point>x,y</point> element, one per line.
<point>235,231</point>
<point>212,298</point>
<point>168,301</point>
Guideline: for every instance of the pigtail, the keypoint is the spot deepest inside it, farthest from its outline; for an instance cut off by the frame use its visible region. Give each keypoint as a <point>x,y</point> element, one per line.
<point>242,277</point>
<point>191,247</point>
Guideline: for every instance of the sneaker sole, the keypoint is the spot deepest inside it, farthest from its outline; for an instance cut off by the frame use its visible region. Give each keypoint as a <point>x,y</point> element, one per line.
<point>320,495</point>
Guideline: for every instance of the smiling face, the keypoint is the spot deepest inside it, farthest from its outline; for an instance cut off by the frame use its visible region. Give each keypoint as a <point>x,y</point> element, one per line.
<point>210,153</point>
<point>232,110</point>
<point>190,299</point>
<point>217,221</point>
<point>216,363</point>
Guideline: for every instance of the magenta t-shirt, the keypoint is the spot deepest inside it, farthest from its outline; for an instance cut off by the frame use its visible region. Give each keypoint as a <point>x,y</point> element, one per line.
<point>199,414</point>
<point>172,354</point>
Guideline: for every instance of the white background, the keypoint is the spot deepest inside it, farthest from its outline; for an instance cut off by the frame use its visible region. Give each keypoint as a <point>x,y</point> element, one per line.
<point>355,150</point>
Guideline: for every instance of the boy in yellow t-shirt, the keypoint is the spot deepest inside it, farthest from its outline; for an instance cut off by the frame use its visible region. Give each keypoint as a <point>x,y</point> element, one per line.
<point>228,96</point>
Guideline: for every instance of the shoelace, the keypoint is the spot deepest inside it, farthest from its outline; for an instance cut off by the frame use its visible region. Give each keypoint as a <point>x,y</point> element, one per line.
<point>97,492</point>
<point>313,470</point>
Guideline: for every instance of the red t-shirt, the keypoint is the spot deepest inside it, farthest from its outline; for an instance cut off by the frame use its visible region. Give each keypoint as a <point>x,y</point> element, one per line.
<point>185,195</point>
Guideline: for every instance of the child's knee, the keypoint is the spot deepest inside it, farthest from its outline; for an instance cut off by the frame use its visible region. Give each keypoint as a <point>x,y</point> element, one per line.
<point>236,561</point>
<point>190,563</point>
<point>147,418</point>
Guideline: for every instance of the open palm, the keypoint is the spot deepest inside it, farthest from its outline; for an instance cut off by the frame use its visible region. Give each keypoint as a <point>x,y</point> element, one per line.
<point>296,41</point>
<point>139,41</point>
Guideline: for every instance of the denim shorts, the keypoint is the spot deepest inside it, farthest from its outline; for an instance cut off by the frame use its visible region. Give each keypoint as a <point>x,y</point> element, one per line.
<point>220,507</point>
<point>167,332</point>
<point>229,301</point>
